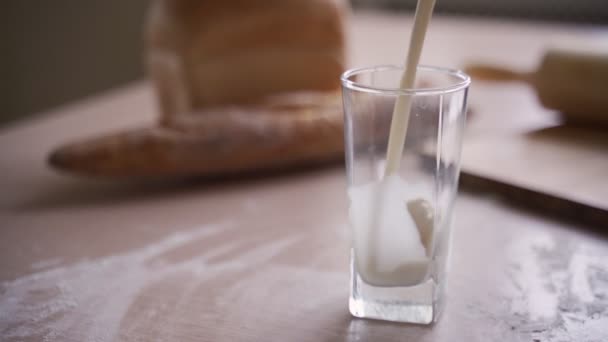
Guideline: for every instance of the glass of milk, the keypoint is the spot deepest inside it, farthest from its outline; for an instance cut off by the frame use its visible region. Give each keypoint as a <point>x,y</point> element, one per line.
<point>401,219</point>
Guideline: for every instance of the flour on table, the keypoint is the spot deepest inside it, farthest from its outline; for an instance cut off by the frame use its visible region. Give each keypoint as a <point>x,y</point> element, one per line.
<point>95,295</point>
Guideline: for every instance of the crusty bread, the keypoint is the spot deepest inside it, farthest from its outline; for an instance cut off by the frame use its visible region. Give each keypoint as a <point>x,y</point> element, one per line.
<point>235,52</point>
<point>294,130</point>
<point>242,85</point>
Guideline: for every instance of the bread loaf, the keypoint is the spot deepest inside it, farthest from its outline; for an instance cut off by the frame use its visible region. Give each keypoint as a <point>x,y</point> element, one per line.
<point>236,52</point>
<point>227,139</point>
<point>242,85</point>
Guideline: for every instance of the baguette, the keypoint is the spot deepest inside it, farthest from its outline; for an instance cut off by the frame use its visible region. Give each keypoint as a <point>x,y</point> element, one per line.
<point>242,86</point>
<point>223,140</point>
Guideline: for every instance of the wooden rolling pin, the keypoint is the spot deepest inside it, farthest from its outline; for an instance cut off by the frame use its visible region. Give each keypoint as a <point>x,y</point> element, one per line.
<point>574,83</point>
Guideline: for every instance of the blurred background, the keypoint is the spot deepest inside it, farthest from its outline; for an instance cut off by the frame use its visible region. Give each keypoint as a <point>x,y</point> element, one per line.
<point>54,52</point>
<point>581,11</point>
<point>57,51</point>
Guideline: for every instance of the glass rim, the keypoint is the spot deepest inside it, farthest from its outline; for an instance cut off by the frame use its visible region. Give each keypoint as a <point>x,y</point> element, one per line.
<point>464,82</point>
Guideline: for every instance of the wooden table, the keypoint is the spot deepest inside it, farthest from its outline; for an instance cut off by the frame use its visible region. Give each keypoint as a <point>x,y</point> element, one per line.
<point>266,259</point>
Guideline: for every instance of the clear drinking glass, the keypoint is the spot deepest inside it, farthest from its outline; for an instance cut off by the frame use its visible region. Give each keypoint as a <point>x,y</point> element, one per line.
<point>401,222</point>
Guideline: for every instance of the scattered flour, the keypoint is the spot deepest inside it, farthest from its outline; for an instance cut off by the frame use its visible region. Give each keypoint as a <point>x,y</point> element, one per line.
<point>559,290</point>
<point>87,301</point>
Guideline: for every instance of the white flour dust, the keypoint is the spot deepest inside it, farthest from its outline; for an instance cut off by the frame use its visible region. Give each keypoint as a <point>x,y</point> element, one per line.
<point>44,264</point>
<point>559,290</point>
<point>86,301</point>
<point>536,295</point>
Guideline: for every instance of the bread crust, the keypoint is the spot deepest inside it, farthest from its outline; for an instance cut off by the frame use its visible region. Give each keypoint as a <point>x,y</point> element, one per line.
<point>242,85</point>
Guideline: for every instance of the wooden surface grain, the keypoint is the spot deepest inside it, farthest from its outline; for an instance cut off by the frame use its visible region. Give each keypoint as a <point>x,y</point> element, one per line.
<point>266,259</point>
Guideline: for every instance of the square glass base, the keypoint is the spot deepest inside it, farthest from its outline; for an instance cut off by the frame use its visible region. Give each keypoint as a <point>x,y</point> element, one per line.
<point>419,304</point>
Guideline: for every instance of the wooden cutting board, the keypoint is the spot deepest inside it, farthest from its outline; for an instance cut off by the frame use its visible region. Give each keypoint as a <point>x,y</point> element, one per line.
<point>532,159</point>
<point>560,169</point>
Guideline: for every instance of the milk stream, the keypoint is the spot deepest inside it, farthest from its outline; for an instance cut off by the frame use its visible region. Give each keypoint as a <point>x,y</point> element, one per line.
<point>403,104</point>
<point>388,241</point>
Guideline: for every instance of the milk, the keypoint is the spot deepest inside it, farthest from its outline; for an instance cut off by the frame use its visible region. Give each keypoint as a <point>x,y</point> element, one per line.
<point>403,104</point>
<point>393,232</point>
<point>392,221</point>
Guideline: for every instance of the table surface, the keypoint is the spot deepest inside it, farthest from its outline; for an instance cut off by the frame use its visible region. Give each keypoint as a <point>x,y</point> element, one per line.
<point>266,259</point>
